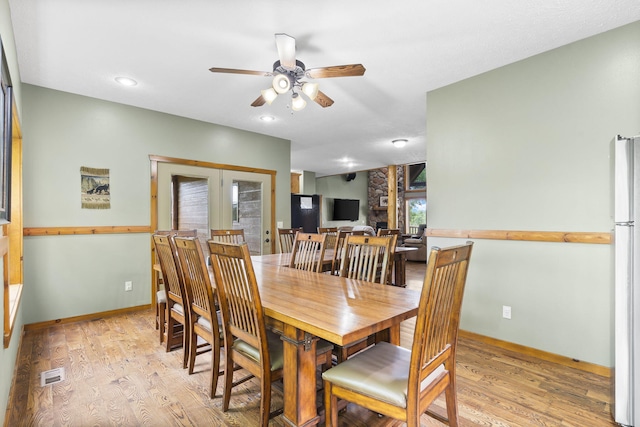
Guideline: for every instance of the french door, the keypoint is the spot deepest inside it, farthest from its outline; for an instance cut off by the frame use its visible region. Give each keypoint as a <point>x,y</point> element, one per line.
<point>204,198</point>
<point>246,204</point>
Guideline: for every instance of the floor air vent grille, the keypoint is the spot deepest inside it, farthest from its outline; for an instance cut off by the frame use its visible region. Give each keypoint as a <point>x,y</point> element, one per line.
<point>52,376</point>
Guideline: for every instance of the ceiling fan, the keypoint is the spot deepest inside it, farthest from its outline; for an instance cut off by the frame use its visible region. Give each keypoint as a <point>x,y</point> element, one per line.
<point>288,73</point>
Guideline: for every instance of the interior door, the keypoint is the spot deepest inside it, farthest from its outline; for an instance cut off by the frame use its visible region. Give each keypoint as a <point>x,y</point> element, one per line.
<point>246,204</point>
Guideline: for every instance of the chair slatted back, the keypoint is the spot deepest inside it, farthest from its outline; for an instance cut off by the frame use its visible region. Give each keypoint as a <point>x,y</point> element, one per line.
<point>171,275</point>
<point>332,235</point>
<point>240,302</point>
<point>196,279</point>
<point>228,235</point>
<point>388,232</point>
<point>341,237</point>
<point>287,236</point>
<point>438,319</point>
<point>366,258</point>
<point>181,233</point>
<point>308,252</point>
<point>391,233</point>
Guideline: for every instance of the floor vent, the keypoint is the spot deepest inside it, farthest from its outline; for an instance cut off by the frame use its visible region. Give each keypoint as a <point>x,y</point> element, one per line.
<point>52,376</point>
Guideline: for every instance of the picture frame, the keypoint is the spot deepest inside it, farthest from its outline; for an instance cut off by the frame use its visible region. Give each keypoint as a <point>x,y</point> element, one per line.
<point>384,201</point>
<point>6,104</point>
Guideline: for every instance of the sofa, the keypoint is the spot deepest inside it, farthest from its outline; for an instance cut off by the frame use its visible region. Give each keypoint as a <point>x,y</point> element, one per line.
<point>368,230</point>
<point>418,241</point>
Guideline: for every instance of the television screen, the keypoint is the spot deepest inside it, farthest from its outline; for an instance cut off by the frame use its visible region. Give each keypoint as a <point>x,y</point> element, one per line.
<point>346,209</point>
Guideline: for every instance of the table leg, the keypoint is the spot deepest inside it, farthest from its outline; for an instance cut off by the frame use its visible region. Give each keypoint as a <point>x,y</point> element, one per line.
<point>400,265</point>
<point>299,378</point>
<point>394,334</point>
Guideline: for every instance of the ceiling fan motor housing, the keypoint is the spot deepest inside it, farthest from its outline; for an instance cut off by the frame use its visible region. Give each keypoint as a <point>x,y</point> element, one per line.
<point>294,75</point>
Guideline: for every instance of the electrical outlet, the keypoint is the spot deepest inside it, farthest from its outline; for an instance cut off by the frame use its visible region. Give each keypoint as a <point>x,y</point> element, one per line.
<point>506,311</point>
<point>128,285</point>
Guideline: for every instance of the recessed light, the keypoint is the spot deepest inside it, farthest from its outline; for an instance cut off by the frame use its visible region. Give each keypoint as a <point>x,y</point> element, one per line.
<point>267,118</point>
<point>399,142</point>
<point>126,81</point>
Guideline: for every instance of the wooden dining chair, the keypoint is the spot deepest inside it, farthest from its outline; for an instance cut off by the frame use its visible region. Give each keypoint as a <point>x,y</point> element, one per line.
<point>392,233</point>
<point>308,252</point>
<point>402,383</point>
<point>201,308</point>
<point>247,341</point>
<point>228,235</point>
<point>388,232</point>
<point>332,234</point>
<point>286,236</point>
<point>161,293</point>
<point>341,237</point>
<point>366,258</point>
<point>175,321</point>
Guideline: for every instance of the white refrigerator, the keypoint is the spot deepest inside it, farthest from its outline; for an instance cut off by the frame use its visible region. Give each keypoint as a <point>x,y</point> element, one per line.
<point>626,156</point>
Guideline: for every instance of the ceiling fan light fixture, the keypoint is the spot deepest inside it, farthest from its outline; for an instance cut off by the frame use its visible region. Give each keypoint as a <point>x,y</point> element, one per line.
<point>281,83</point>
<point>311,90</point>
<point>269,95</point>
<point>399,143</point>
<point>297,102</point>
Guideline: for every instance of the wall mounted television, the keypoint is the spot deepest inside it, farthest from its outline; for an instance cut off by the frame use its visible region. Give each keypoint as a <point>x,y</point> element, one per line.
<point>346,209</point>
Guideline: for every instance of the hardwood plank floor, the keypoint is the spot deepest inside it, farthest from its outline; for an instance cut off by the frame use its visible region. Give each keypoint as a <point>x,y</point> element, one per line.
<point>118,375</point>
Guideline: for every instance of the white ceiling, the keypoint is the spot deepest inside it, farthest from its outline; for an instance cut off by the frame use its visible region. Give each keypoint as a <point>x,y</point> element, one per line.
<point>407,47</point>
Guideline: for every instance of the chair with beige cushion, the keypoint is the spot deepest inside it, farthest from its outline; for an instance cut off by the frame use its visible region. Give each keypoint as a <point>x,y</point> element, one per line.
<point>388,232</point>
<point>402,383</point>
<point>287,236</point>
<point>394,234</point>
<point>308,255</point>
<point>248,343</point>
<point>161,293</point>
<point>331,232</point>
<point>176,319</point>
<point>204,326</point>
<point>308,252</point>
<point>341,238</point>
<point>366,258</point>
<point>228,235</point>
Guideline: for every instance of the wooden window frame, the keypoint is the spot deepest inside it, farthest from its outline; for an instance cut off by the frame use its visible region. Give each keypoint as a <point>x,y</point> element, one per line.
<point>11,242</point>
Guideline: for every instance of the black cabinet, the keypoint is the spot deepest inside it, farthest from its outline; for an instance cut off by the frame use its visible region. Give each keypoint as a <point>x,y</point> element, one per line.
<point>305,212</point>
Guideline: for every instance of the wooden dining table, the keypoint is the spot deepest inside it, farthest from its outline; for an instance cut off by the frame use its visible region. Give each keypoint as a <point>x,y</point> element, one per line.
<point>399,262</point>
<point>304,306</point>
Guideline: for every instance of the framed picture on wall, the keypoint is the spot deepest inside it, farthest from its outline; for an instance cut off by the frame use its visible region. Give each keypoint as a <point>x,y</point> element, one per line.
<point>6,103</point>
<point>384,201</point>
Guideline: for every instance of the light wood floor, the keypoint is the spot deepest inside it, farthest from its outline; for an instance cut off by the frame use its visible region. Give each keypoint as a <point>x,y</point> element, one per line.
<point>118,375</point>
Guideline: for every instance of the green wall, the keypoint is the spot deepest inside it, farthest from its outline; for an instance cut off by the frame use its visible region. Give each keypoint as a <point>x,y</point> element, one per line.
<point>69,276</point>
<point>8,355</point>
<point>336,187</point>
<point>526,147</point>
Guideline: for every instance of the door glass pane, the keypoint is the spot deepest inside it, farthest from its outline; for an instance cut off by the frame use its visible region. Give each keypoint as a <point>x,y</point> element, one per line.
<point>247,212</point>
<point>190,206</point>
<point>234,202</point>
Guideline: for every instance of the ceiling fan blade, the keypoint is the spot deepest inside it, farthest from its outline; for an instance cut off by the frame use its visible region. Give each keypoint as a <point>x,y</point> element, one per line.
<point>259,102</point>
<point>286,50</point>
<point>336,71</point>
<point>323,100</point>
<point>235,71</point>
